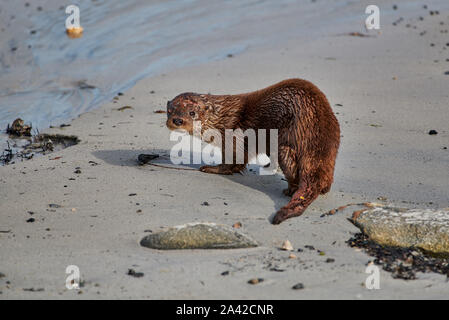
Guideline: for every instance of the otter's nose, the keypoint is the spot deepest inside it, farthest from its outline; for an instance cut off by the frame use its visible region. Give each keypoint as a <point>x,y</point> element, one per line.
<point>177,121</point>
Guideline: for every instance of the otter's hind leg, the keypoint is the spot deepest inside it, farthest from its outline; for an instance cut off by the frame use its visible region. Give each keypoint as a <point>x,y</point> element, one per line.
<point>288,161</point>
<point>307,191</point>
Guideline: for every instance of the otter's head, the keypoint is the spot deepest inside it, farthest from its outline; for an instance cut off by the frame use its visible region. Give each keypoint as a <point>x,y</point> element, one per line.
<point>186,108</point>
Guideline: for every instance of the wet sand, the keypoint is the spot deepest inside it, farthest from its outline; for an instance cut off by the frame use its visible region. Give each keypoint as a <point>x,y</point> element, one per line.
<point>387,90</point>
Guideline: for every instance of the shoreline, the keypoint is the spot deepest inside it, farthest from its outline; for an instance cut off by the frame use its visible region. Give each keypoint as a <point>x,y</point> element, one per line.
<point>386,153</point>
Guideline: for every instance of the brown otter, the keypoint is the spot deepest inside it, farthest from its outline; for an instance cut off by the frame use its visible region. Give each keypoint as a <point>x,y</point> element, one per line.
<point>308,133</point>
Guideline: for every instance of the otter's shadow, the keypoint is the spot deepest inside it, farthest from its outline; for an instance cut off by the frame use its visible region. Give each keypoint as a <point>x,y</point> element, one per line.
<point>271,185</point>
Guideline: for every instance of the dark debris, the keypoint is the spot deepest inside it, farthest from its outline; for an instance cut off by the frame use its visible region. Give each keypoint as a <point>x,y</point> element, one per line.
<point>403,263</point>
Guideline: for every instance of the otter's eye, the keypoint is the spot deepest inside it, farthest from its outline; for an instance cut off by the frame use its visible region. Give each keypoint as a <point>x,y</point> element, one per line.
<point>192,113</point>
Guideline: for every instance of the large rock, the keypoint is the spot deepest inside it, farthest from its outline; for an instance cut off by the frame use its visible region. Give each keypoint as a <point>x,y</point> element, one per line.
<point>198,236</point>
<point>425,229</point>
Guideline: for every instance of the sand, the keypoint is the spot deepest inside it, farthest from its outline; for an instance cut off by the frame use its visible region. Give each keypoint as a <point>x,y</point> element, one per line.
<point>390,92</point>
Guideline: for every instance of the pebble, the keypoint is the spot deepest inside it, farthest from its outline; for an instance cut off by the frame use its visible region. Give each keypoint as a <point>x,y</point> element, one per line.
<point>287,246</point>
<point>133,273</point>
<point>255,280</point>
<point>298,286</point>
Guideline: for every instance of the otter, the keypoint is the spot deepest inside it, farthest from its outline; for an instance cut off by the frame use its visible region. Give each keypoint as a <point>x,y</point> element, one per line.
<point>308,133</point>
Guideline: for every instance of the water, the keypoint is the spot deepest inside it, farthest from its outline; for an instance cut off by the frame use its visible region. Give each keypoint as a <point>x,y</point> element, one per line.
<point>41,68</point>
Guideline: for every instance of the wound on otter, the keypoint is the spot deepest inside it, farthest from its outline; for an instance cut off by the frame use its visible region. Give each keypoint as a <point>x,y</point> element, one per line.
<point>308,133</point>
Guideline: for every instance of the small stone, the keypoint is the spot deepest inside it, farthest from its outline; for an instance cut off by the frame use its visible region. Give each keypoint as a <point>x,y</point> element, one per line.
<point>31,220</point>
<point>330,260</point>
<point>255,280</point>
<point>237,225</point>
<point>132,194</point>
<point>54,205</point>
<point>433,132</point>
<point>205,203</point>
<point>292,256</point>
<point>225,273</point>
<point>298,286</point>
<point>73,209</point>
<point>133,273</point>
<point>287,246</point>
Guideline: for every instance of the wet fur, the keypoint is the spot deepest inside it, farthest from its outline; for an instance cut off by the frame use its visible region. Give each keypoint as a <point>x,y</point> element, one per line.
<point>308,133</point>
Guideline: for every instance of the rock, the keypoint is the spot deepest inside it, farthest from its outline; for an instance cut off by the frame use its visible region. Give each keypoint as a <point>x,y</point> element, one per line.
<point>198,236</point>
<point>133,273</point>
<point>18,128</point>
<point>426,229</point>
<point>255,280</point>
<point>145,158</point>
<point>287,246</point>
<point>237,225</point>
<point>298,286</point>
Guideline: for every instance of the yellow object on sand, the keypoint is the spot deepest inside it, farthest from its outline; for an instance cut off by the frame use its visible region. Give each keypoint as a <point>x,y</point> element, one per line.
<point>76,32</point>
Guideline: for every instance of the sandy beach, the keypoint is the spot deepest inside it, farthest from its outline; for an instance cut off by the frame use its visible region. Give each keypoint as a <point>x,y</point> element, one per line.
<point>388,89</point>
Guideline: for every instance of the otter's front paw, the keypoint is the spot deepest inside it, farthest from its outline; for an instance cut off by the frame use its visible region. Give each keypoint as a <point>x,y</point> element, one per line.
<point>215,170</point>
<point>280,216</point>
